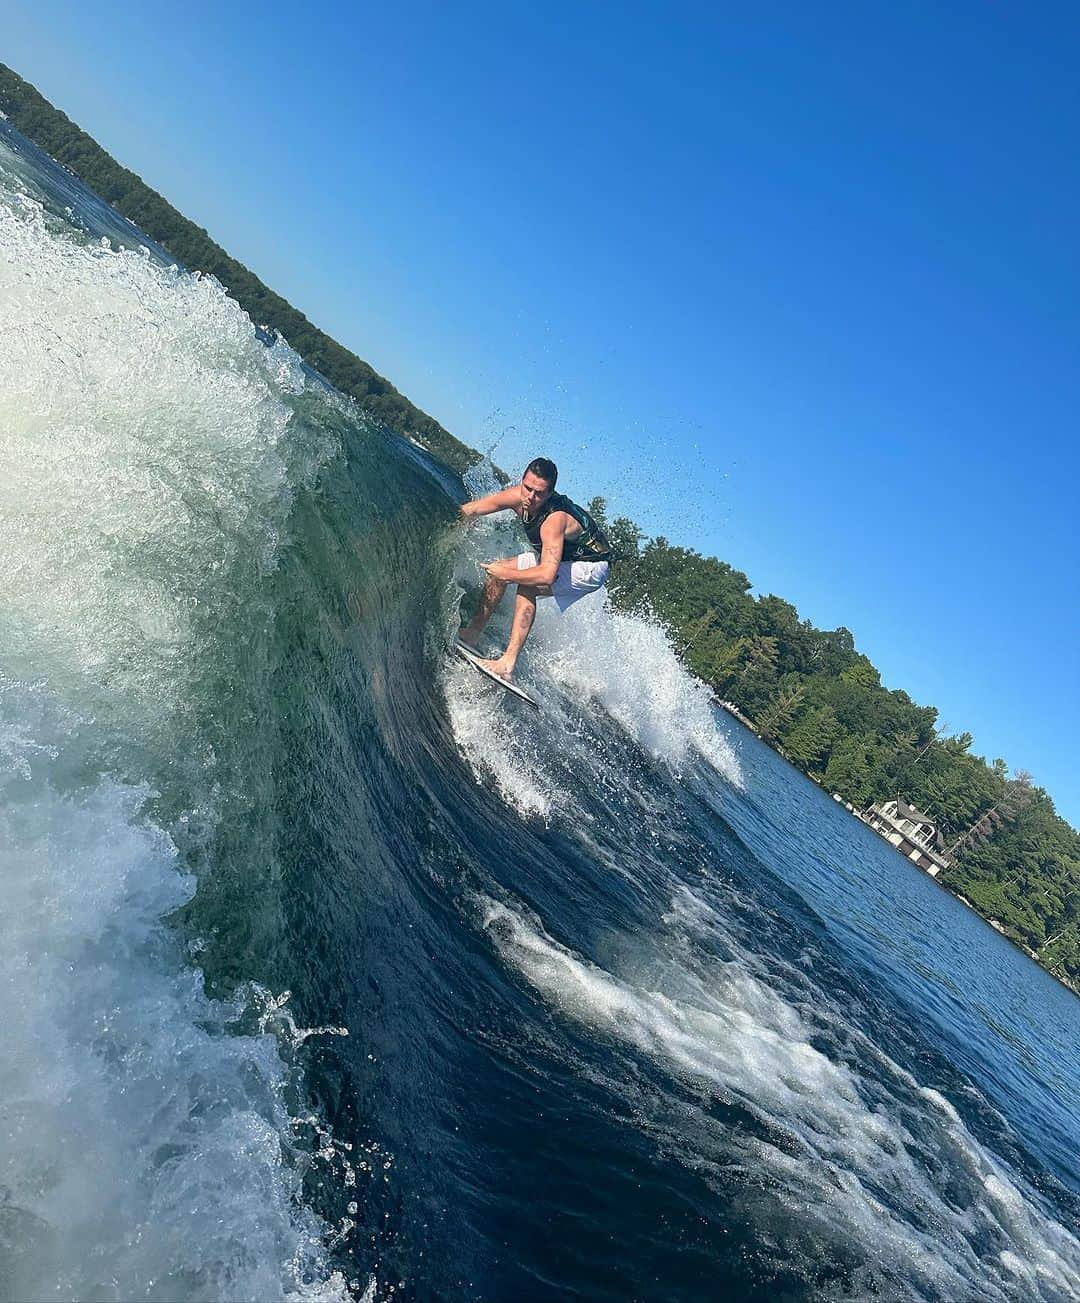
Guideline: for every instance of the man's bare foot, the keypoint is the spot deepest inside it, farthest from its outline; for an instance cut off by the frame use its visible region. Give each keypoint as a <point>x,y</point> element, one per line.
<point>467,636</point>
<point>500,666</point>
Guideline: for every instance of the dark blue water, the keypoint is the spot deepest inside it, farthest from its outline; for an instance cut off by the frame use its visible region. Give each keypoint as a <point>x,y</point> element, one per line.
<point>633,1010</point>
<point>987,1003</point>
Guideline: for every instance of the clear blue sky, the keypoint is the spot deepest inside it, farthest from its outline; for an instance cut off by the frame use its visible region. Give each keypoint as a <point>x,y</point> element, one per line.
<point>797,285</point>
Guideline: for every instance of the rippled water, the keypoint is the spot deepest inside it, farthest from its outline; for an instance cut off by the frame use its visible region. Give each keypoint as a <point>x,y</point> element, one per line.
<point>331,972</point>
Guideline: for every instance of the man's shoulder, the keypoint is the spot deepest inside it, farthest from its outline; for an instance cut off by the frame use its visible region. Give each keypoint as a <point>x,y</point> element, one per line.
<point>557,517</point>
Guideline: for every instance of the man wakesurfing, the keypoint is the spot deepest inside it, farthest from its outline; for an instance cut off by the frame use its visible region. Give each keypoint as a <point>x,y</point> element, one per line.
<point>573,558</point>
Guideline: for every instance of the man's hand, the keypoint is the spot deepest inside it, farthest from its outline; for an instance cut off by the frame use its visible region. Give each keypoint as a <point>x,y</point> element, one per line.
<point>504,570</point>
<point>541,575</point>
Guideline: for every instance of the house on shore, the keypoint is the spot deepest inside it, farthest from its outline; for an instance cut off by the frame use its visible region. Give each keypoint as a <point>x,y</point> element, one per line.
<point>912,833</point>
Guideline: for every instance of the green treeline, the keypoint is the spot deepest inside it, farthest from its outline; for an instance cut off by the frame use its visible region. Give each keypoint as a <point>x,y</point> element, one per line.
<point>58,136</point>
<point>822,704</point>
<point>807,690</point>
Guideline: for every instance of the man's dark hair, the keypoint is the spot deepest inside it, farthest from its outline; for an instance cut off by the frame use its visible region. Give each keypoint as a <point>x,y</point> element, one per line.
<point>545,469</point>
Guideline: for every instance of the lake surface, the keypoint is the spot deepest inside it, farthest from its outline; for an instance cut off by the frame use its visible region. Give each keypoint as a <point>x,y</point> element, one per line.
<point>332,972</point>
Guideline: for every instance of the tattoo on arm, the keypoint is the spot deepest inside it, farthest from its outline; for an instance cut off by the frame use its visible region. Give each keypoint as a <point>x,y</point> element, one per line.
<point>552,537</point>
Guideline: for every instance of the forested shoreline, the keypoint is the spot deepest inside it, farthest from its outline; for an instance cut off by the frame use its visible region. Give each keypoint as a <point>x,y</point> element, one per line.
<point>32,114</point>
<point>809,692</point>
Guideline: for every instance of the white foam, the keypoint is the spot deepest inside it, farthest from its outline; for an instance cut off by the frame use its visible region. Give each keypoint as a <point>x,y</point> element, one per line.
<point>144,458</point>
<point>146,470</point>
<point>145,1148</point>
<point>592,656</point>
<point>500,745</point>
<point>627,664</point>
<point>913,1188</point>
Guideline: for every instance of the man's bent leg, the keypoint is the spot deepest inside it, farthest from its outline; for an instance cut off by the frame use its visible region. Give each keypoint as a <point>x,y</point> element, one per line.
<point>489,600</point>
<point>524,614</point>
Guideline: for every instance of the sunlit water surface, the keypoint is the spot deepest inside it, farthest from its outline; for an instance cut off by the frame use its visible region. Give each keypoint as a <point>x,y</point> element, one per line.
<point>330,971</point>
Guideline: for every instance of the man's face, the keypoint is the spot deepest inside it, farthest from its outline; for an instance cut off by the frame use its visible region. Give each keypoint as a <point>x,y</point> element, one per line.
<point>534,492</point>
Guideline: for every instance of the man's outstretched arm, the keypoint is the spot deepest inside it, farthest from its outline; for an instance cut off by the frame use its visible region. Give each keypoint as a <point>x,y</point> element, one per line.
<point>505,498</point>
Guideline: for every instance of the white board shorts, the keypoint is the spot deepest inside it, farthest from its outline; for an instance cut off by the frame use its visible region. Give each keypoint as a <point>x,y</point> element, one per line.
<point>575,579</point>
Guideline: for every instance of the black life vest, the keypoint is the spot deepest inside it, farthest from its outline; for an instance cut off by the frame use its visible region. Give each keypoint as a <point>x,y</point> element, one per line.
<point>590,545</point>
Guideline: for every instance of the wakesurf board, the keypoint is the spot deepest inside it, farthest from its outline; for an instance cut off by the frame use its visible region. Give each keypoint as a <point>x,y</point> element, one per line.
<point>467,653</point>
